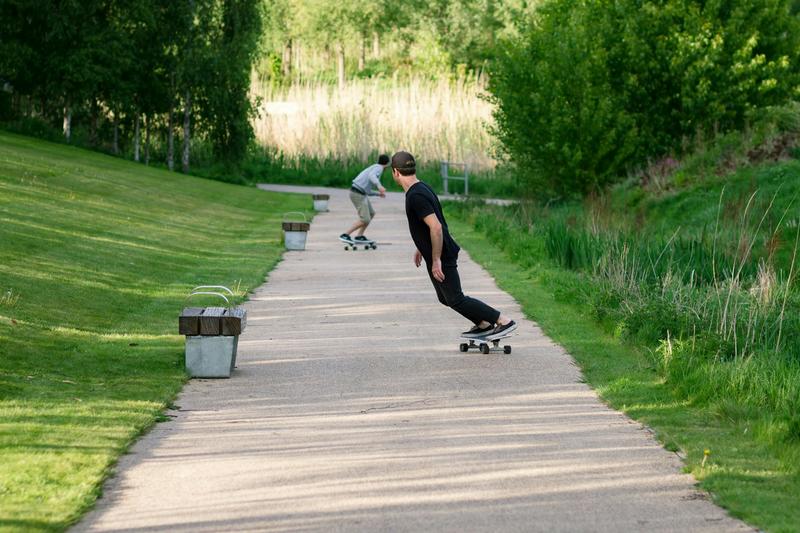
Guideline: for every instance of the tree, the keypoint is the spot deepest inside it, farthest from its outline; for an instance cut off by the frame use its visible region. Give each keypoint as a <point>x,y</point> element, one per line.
<point>229,108</point>
<point>593,88</point>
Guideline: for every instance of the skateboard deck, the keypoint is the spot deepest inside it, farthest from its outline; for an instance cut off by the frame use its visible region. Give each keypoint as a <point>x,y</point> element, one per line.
<point>353,244</point>
<point>484,345</point>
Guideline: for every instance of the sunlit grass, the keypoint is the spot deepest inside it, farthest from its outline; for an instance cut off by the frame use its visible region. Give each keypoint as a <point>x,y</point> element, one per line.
<point>97,256</point>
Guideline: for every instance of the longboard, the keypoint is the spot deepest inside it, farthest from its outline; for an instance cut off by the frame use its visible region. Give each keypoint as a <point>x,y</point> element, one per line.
<point>484,345</point>
<point>353,244</point>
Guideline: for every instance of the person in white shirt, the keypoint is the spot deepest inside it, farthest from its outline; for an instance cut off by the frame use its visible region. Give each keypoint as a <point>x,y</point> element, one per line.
<point>364,186</point>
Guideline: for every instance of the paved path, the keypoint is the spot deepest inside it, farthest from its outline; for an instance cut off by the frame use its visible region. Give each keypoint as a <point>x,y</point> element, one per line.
<point>353,410</point>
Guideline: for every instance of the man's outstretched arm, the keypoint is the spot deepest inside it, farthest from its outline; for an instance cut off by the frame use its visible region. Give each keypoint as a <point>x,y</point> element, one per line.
<point>437,238</point>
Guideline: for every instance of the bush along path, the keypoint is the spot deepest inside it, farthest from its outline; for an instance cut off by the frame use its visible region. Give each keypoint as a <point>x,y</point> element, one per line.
<point>352,409</point>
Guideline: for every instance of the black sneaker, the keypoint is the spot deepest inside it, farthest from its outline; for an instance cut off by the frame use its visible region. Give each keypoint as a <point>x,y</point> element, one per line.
<point>502,331</point>
<point>478,331</point>
<point>344,237</point>
<point>361,238</point>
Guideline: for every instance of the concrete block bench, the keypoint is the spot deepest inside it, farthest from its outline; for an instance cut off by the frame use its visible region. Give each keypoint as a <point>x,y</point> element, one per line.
<point>212,338</point>
<point>295,232</point>
<point>321,201</point>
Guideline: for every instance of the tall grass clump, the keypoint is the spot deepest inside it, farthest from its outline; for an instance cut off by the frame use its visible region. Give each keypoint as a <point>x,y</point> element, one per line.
<point>718,311</point>
<point>433,119</point>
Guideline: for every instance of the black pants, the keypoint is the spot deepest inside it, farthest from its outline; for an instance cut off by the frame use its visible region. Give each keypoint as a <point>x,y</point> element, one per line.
<point>450,294</point>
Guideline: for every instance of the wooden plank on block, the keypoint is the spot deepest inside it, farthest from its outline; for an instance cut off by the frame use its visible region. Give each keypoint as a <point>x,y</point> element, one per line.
<point>296,226</point>
<point>211,321</point>
<point>321,196</point>
<point>234,321</point>
<point>189,321</point>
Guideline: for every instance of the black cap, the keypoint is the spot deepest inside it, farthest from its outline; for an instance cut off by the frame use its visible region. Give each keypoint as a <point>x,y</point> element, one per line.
<point>404,161</point>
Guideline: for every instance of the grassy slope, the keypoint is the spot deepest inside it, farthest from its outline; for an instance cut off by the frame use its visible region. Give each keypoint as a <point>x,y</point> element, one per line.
<point>97,257</point>
<point>695,209</point>
<point>745,472</point>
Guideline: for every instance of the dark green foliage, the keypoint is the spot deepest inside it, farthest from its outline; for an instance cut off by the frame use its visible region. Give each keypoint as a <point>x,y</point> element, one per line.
<point>229,110</point>
<point>122,71</point>
<point>5,105</point>
<point>594,88</point>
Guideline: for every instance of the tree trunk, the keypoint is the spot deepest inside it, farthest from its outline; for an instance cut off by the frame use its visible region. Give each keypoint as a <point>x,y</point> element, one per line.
<point>115,148</point>
<point>16,104</point>
<point>93,124</point>
<point>68,122</point>
<point>187,104</point>
<point>187,114</point>
<point>362,56</point>
<point>340,63</point>
<point>136,137</point>
<point>171,139</point>
<point>287,59</point>
<point>147,139</point>
<point>376,45</point>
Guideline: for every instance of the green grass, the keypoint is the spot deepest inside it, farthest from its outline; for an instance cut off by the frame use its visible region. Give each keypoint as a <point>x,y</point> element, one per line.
<point>746,475</point>
<point>564,264</point>
<point>98,255</point>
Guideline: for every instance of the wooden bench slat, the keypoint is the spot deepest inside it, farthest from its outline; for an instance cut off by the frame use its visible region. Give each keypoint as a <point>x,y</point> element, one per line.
<point>210,321</point>
<point>296,226</point>
<point>234,322</point>
<point>189,321</point>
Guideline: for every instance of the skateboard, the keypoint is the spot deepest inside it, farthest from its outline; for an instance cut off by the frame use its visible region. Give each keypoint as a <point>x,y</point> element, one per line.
<point>353,244</point>
<point>485,346</point>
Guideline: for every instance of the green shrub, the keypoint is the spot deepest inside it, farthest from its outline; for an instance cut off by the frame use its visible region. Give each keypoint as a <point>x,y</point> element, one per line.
<point>594,87</point>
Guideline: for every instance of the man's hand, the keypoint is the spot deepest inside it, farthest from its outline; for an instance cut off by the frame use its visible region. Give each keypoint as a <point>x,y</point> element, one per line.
<point>417,258</point>
<point>436,270</point>
<point>382,192</point>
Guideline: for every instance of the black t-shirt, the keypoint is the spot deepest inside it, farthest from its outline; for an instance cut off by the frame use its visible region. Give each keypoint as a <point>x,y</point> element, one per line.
<point>421,201</point>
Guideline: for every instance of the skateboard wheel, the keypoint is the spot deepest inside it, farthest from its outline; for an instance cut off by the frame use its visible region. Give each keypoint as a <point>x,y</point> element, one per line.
<point>484,348</point>
<point>463,347</point>
<point>506,349</point>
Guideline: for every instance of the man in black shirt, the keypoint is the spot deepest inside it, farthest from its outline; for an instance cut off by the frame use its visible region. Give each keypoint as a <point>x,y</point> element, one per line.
<point>435,245</point>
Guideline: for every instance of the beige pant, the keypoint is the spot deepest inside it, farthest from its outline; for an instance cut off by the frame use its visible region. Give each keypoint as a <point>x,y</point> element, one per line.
<point>363,206</point>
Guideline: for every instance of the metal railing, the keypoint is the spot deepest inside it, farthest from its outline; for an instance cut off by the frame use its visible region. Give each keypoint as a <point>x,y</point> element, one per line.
<point>446,177</point>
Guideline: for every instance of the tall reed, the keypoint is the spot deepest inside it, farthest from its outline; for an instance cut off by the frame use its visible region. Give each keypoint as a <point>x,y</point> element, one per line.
<point>434,120</point>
